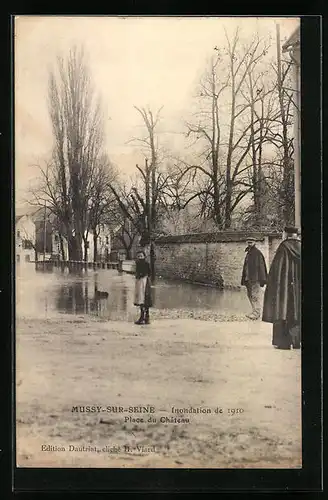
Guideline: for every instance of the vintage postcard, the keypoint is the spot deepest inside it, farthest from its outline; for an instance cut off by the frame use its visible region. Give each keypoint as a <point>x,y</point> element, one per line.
<point>157,242</point>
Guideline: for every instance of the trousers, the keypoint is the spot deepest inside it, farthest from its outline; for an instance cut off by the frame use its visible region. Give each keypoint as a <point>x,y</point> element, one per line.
<point>254,296</point>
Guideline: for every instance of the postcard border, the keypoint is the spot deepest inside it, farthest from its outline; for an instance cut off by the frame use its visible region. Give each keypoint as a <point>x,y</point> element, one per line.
<point>218,480</point>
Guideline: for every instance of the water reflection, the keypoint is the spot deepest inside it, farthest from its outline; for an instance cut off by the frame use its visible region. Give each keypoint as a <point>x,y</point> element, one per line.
<point>73,298</point>
<point>88,296</point>
<point>109,294</point>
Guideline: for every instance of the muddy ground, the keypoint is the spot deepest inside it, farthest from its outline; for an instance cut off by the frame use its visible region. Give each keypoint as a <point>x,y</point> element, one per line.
<point>66,361</point>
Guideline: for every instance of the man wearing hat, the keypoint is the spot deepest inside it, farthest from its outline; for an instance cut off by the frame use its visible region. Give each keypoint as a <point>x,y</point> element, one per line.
<point>282,298</point>
<point>254,276</point>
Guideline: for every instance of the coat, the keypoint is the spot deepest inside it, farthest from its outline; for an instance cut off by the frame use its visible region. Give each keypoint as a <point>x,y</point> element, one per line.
<point>254,268</point>
<point>282,296</point>
<point>142,292</point>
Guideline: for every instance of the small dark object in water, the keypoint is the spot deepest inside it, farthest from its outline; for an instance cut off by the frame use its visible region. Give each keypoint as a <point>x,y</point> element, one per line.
<point>101,295</point>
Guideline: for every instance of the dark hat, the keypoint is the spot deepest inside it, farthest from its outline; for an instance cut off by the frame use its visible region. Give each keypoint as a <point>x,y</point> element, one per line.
<point>290,229</point>
<point>250,238</point>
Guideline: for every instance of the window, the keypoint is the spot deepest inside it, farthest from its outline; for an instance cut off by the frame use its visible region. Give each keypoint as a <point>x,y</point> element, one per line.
<point>18,234</point>
<point>27,258</point>
<point>107,240</point>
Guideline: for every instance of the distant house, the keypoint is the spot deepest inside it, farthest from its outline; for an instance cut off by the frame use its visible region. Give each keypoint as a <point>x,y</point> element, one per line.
<point>125,241</point>
<point>48,243</point>
<point>24,239</point>
<point>44,233</point>
<point>103,245</point>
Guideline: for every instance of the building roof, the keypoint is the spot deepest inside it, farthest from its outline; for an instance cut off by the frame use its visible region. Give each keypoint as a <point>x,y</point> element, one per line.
<point>293,40</point>
<point>39,214</point>
<point>25,210</point>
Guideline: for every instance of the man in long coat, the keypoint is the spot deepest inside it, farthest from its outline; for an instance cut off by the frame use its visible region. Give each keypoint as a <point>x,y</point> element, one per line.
<point>254,276</point>
<point>282,296</point>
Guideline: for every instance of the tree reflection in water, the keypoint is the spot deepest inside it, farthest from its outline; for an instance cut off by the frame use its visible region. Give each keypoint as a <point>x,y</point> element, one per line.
<point>109,295</point>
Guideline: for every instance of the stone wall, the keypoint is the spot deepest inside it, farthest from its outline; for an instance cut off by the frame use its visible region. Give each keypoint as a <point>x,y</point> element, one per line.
<point>214,259</point>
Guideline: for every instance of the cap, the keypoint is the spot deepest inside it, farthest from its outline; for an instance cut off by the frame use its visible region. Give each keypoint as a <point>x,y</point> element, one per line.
<point>250,238</point>
<point>290,229</point>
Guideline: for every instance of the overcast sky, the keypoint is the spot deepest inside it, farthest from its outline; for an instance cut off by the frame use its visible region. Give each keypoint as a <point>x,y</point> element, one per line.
<point>155,61</point>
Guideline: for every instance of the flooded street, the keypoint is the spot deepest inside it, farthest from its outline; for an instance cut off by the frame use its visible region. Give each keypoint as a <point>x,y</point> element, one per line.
<point>41,293</point>
<point>68,355</point>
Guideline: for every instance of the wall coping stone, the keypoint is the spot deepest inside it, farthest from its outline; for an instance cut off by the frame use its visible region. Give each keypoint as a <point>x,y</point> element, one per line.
<point>222,236</point>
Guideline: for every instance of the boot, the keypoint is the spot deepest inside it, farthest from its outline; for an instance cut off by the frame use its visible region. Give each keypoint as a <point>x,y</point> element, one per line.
<point>147,317</point>
<point>252,316</point>
<point>141,320</point>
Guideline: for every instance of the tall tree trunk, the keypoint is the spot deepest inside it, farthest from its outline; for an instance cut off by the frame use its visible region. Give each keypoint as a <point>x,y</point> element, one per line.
<point>260,180</point>
<point>152,261</point>
<point>74,248</point>
<point>228,198</point>
<point>79,241</point>
<point>76,207</point>
<point>70,248</point>
<point>85,246</point>
<point>62,249</point>
<point>95,246</point>
<point>255,168</point>
<point>217,201</point>
<point>227,222</point>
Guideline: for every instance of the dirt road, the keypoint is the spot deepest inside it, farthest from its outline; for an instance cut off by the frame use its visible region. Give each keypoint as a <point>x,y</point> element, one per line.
<point>242,397</point>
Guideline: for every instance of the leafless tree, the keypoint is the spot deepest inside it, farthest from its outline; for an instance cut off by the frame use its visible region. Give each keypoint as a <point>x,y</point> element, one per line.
<point>281,137</point>
<point>126,216</point>
<point>77,130</point>
<point>147,195</point>
<point>260,95</point>
<point>100,202</point>
<point>223,127</point>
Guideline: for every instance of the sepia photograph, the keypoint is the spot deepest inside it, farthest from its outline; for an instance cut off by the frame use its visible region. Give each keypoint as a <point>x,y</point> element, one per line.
<point>157,242</point>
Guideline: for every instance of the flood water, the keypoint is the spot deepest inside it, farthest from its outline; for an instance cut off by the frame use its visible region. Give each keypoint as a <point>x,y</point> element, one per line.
<point>40,293</point>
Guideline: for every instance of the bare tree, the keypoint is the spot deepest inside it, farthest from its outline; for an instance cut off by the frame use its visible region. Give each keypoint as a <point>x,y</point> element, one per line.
<point>100,202</point>
<point>240,67</point>
<point>271,174</point>
<point>225,131</point>
<point>153,180</point>
<point>280,137</point>
<point>127,216</point>
<point>207,130</point>
<point>147,195</point>
<point>77,130</point>
<point>260,95</point>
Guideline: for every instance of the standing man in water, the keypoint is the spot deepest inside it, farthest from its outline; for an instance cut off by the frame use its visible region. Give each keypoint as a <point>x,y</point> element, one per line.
<point>282,298</point>
<point>254,276</point>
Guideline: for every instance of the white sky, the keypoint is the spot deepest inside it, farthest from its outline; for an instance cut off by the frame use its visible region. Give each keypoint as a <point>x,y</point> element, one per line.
<point>154,61</point>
